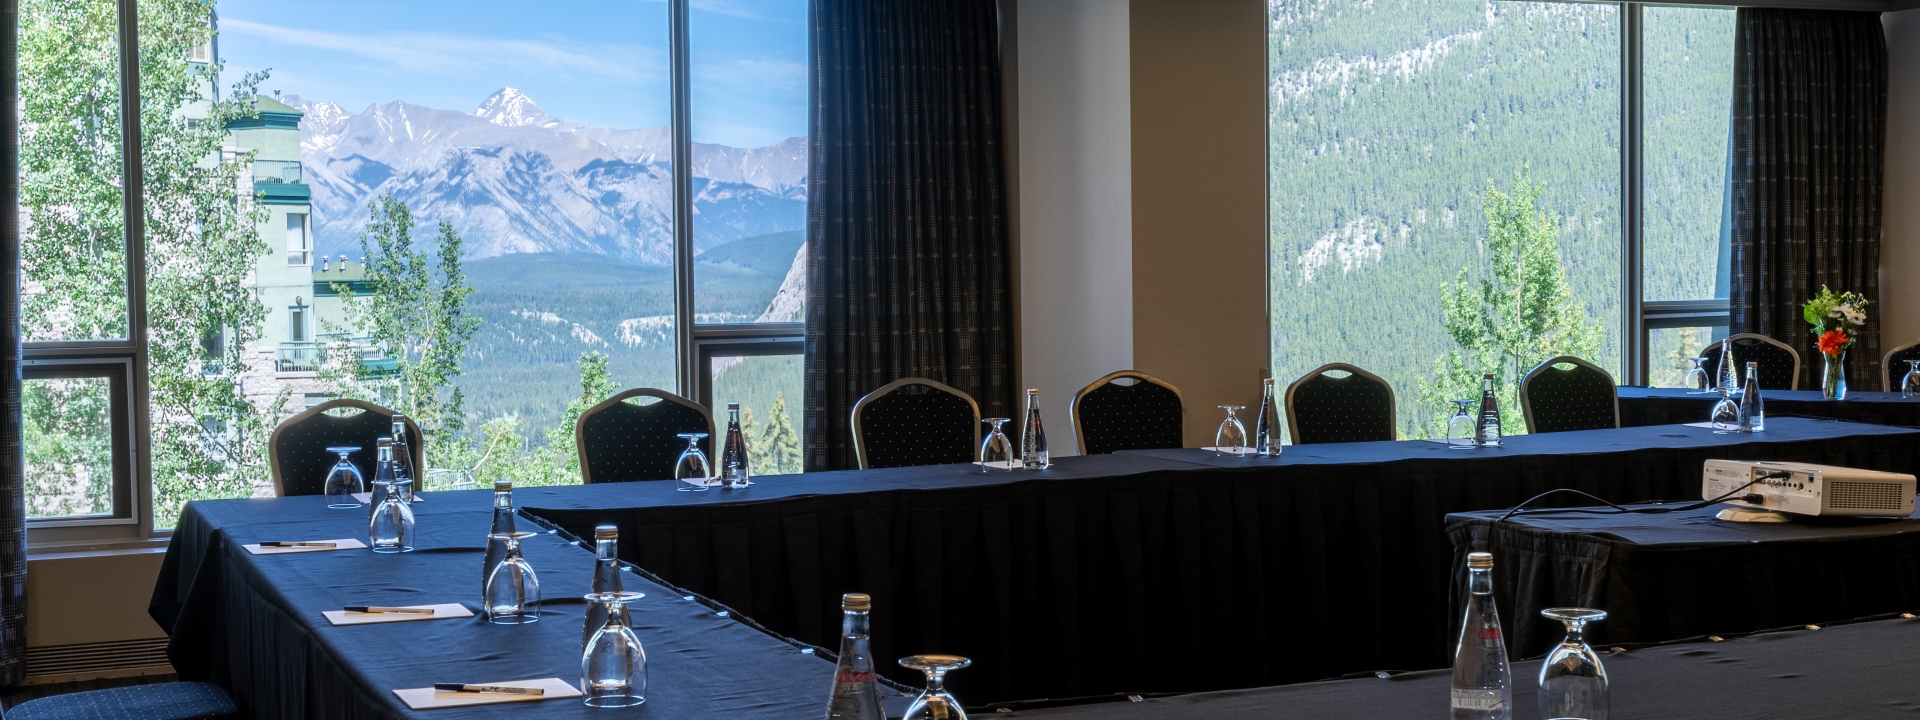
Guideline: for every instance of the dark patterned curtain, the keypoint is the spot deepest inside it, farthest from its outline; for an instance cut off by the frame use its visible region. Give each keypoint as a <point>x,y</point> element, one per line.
<point>1809,122</point>
<point>13,501</point>
<point>906,231</point>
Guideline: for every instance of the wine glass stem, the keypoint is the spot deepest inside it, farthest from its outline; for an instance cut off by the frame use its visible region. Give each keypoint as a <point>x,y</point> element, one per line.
<point>936,681</point>
<point>1576,632</point>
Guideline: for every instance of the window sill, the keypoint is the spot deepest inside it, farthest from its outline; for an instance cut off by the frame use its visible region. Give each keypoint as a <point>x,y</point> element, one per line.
<point>87,549</point>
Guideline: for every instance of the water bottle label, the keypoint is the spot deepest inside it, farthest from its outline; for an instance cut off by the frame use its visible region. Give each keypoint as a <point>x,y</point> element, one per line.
<point>1476,699</point>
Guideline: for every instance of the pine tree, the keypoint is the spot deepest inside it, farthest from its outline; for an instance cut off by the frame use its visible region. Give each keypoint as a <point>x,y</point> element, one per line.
<point>1524,314</point>
<point>782,445</point>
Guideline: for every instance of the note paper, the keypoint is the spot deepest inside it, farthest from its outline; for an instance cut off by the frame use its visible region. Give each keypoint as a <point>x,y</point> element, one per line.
<point>427,698</point>
<point>338,544</point>
<point>440,612</point>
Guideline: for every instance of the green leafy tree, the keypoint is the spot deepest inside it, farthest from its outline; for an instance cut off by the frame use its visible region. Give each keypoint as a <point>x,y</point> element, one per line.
<point>780,445</point>
<point>1523,314</point>
<point>415,315</point>
<point>201,231</point>
<point>596,384</point>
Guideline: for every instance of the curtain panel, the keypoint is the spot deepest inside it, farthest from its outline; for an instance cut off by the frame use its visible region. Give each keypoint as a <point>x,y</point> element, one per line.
<point>1809,125</point>
<point>906,230</point>
<point>13,500</point>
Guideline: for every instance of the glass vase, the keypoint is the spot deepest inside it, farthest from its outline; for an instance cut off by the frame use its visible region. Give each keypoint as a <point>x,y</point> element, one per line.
<point>1834,384</point>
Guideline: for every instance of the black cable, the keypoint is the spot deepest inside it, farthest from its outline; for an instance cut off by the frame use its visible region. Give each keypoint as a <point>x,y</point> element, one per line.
<point>1617,509</point>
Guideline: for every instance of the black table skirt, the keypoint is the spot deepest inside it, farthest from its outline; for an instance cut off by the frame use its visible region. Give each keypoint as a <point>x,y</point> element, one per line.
<point>1670,576</point>
<point>1666,406</point>
<point>1861,671</point>
<point>1188,573</point>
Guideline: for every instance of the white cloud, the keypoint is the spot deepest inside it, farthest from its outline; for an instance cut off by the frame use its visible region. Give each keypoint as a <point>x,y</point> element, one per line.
<point>458,55</point>
<point>774,76</point>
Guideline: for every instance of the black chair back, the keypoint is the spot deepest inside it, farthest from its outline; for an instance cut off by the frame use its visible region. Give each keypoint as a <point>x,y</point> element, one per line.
<point>1779,364</point>
<point>1893,367</point>
<point>915,421</point>
<point>1322,408</point>
<point>1109,417</point>
<point>1578,397</point>
<point>297,450</point>
<point>622,441</point>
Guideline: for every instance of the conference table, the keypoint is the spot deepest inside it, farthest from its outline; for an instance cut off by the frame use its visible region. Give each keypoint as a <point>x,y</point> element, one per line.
<point>1687,573</point>
<point>1640,406</point>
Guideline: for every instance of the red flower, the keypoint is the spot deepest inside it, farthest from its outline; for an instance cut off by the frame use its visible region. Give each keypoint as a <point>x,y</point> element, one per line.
<point>1833,342</point>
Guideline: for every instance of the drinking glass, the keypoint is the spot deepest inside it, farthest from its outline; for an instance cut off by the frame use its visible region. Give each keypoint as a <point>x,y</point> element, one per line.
<point>1460,427</point>
<point>1910,385</point>
<point>390,528</point>
<point>449,479</point>
<point>1697,380</point>
<point>692,469</point>
<point>1232,436</point>
<point>512,591</point>
<point>344,480</point>
<point>1573,685</point>
<point>997,452</point>
<point>613,666</point>
<point>1726,415</point>
<point>935,703</point>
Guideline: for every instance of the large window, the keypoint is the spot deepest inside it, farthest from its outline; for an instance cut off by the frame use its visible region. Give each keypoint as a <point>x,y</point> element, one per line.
<point>1454,187</point>
<point>487,217</point>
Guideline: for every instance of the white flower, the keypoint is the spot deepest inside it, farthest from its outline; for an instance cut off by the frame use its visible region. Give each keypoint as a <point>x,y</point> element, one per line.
<point>1837,311</point>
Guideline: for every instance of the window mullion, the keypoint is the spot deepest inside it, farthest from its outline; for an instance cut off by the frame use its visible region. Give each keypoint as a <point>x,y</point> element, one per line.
<point>682,120</point>
<point>133,203</point>
<point>1633,351</point>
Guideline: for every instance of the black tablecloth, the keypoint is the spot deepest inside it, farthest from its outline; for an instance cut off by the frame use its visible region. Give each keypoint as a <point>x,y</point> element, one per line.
<point>1843,672</point>
<point>254,624</point>
<point>1670,576</point>
<point>1118,573</point>
<point>1663,406</point>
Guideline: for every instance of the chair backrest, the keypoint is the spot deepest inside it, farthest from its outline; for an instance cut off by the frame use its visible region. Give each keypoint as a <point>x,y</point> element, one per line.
<point>1579,397</point>
<point>1779,363</point>
<point>1893,366</point>
<point>1322,408</point>
<point>1109,416</point>
<point>297,450</point>
<point>915,421</point>
<point>621,441</point>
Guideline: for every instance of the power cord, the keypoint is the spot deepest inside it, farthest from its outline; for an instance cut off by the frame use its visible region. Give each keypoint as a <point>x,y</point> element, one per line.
<point>1618,509</point>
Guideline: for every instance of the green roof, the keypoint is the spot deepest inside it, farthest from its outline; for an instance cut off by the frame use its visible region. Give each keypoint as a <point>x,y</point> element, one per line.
<point>273,114</point>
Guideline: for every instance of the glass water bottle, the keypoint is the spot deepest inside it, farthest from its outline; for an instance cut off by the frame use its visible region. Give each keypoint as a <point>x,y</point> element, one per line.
<point>1266,427</point>
<point>1033,438</point>
<point>856,694</point>
<point>733,456</point>
<point>1729,375</point>
<point>502,526</point>
<point>1482,681</point>
<point>1487,434</point>
<point>390,529</point>
<point>382,475</point>
<point>606,579</point>
<point>1753,410</point>
<point>403,468</point>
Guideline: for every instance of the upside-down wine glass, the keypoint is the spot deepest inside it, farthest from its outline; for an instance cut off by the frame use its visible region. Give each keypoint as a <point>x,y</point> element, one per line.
<point>1460,427</point>
<point>1910,385</point>
<point>344,480</point>
<point>1231,439</point>
<point>1573,685</point>
<point>692,470</point>
<point>613,665</point>
<point>1697,380</point>
<point>996,453</point>
<point>513,591</point>
<point>935,703</point>
<point>1726,415</point>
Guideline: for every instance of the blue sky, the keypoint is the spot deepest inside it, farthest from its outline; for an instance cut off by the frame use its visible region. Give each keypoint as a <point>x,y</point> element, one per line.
<point>598,62</point>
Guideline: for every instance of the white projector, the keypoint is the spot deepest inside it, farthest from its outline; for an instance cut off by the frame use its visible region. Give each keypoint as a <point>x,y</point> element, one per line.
<point>1806,489</point>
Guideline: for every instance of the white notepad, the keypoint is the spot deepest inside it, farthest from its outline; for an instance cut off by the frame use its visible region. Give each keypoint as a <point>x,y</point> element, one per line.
<point>339,544</point>
<point>427,698</point>
<point>442,611</point>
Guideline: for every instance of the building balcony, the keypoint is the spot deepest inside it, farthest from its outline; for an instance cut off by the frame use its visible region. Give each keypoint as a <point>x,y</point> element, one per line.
<point>296,357</point>
<point>276,172</point>
<point>292,357</point>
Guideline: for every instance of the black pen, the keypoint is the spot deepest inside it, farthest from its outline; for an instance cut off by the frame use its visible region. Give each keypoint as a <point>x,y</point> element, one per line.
<point>276,543</point>
<point>395,610</point>
<point>465,688</point>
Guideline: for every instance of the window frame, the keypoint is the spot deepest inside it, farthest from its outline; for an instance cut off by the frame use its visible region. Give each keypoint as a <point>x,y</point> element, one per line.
<point>118,370</point>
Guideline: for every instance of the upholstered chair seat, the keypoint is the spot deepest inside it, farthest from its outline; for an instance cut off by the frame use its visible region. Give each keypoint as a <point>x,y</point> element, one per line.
<point>299,444</point>
<point>1568,393</point>
<point>1354,406</point>
<point>1109,415</point>
<point>1779,364</point>
<point>627,438</point>
<point>916,421</point>
<point>159,701</point>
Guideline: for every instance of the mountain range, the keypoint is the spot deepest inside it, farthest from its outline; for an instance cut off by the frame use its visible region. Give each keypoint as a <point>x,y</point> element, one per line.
<point>513,178</point>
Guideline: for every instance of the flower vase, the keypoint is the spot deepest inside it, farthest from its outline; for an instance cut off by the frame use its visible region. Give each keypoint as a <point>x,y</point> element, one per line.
<point>1834,386</point>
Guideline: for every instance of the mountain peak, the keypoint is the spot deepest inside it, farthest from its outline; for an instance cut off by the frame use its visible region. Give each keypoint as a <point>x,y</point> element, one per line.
<point>512,108</point>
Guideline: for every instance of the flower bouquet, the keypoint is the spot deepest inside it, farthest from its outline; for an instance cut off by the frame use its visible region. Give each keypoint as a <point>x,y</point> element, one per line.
<point>1836,319</point>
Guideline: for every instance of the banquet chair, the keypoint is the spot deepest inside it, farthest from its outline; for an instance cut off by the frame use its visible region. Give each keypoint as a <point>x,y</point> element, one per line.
<point>915,421</point>
<point>298,447</point>
<point>1324,408</point>
<point>624,438</point>
<point>1779,364</point>
<point>1109,416</point>
<point>156,701</point>
<point>1578,397</point>
<point>1893,366</point>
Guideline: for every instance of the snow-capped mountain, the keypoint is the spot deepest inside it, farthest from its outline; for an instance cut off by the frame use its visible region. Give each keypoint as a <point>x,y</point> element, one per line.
<point>514,179</point>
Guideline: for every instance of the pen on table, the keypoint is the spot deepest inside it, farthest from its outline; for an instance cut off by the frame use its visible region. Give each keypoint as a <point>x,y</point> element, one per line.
<point>276,543</point>
<point>383,609</point>
<point>465,688</point>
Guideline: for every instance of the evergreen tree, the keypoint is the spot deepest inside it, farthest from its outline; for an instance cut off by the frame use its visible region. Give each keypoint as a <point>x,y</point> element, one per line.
<point>1524,314</point>
<point>596,385</point>
<point>782,445</point>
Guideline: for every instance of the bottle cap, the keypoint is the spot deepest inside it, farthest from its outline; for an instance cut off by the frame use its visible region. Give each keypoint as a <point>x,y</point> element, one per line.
<point>1266,381</point>
<point>1479,560</point>
<point>606,532</point>
<point>503,486</point>
<point>856,602</point>
<point>1033,391</point>
<point>1751,364</point>
<point>397,417</point>
<point>733,406</point>
<point>383,442</point>
<point>1488,376</point>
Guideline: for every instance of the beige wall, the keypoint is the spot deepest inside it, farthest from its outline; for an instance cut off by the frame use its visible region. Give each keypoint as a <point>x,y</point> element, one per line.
<point>1900,217</point>
<point>78,598</point>
<point>1199,210</point>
